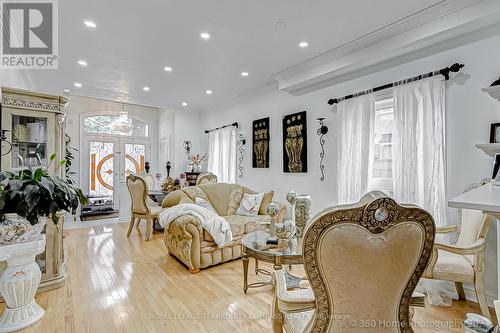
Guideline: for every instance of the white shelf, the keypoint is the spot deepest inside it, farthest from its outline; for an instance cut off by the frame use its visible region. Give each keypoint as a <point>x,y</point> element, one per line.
<point>493,92</point>
<point>489,148</point>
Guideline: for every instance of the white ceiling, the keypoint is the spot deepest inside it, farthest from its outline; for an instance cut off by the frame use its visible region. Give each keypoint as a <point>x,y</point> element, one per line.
<point>134,40</point>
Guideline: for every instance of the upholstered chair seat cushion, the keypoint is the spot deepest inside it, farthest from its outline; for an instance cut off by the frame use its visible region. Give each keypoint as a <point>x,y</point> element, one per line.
<point>454,264</point>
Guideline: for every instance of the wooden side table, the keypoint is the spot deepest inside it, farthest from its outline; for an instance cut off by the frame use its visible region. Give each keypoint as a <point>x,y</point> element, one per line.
<point>191,177</point>
<point>19,283</point>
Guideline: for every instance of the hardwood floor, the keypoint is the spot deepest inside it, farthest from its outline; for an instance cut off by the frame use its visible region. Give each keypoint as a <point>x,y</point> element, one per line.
<point>120,284</point>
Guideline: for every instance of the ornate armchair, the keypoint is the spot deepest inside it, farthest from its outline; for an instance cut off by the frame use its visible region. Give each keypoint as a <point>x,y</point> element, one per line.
<point>363,262</point>
<point>138,189</point>
<point>462,261</point>
<point>206,178</point>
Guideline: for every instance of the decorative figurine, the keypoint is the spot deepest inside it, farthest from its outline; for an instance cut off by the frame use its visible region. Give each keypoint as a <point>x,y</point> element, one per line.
<point>147,166</point>
<point>169,166</point>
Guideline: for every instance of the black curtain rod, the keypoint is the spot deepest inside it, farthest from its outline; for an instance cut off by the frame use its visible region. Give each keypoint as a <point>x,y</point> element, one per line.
<point>443,71</point>
<point>235,124</point>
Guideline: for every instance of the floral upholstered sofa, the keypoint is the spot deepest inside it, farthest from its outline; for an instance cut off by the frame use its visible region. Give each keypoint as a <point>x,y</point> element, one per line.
<point>186,239</point>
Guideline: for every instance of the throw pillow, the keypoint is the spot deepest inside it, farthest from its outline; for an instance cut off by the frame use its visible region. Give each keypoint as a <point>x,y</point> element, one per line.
<point>266,200</point>
<point>205,204</point>
<point>250,204</point>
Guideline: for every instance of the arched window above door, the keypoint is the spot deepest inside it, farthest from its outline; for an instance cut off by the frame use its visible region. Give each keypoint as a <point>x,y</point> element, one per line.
<point>116,124</point>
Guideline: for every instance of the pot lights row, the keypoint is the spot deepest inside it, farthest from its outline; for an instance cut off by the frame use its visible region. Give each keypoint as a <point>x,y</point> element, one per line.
<point>204,35</point>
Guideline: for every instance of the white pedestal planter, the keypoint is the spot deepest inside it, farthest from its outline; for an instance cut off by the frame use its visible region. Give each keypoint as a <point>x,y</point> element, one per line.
<point>19,283</point>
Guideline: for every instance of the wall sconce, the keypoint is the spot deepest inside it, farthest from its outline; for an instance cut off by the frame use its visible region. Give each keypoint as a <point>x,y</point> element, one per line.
<point>241,148</point>
<point>6,145</point>
<point>187,146</point>
<point>322,130</point>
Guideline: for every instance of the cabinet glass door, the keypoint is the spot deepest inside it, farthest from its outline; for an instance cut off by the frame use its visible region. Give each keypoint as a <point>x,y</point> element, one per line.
<point>29,142</point>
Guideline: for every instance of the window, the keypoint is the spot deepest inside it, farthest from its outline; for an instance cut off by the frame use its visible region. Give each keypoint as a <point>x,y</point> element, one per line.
<point>382,150</point>
<point>120,124</point>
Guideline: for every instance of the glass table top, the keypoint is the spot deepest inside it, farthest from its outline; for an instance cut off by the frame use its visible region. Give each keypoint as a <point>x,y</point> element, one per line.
<point>256,241</point>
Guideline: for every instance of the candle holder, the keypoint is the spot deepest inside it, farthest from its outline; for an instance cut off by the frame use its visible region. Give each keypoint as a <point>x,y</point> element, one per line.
<point>272,210</point>
<point>291,197</point>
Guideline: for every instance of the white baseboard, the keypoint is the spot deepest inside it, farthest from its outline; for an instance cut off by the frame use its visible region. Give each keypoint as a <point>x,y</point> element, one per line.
<point>123,219</point>
<point>470,295</point>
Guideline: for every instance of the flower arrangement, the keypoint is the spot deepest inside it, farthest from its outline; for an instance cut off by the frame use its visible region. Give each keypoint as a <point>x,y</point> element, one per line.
<point>197,159</point>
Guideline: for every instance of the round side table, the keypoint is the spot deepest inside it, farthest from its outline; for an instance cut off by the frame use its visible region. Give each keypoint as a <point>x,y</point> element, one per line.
<point>288,253</point>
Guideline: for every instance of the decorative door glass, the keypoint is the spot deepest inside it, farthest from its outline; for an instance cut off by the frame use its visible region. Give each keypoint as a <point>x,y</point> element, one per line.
<point>101,169</point>
<point>29,142</point>
<point>135,156</point>
<point>120,124</point>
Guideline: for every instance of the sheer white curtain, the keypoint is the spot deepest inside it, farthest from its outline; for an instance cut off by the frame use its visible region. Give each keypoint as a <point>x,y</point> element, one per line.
<point>419,169</point>
<point>419,146</point>
<point>355,119</point>
<point>222,154</point>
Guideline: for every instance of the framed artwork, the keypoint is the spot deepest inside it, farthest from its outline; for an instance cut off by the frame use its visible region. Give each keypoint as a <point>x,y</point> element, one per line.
<point>495,133</point>
<point>495,175</point>
<point>260,143</point>
<point>295,142</point>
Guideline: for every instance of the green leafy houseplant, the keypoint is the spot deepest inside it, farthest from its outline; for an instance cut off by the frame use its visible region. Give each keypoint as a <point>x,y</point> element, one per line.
<point>37,193</point>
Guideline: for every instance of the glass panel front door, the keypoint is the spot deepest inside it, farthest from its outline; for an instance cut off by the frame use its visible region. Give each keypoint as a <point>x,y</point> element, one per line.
<point>135,158</point>
<point>109,161</point>
<point>101,169</point>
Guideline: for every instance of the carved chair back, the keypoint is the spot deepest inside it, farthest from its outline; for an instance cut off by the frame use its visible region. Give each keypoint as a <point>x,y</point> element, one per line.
<point>472,225</point>
<point>363,262</point>
<point>138,189</point>
<point>206,178</point>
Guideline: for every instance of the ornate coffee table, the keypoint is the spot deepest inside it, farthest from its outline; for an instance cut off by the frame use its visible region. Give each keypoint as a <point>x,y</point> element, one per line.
<point>288,252</point>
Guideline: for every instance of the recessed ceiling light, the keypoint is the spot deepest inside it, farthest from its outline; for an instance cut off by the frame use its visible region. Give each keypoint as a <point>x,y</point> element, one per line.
<point>184,104</point>
<point>244,73</point>
<point>77,84</point>
<point>90,24</point>
<point>66,91</point>
<point>167,68</point>
<point>303,44</point>
<point>209,92</point>
<point>205,35</point>
<point>82,62</point>
<point>146,88</point>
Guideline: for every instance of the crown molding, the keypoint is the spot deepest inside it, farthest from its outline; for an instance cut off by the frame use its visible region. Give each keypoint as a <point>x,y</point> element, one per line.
<point>263,89</point>
<point>446,20</point>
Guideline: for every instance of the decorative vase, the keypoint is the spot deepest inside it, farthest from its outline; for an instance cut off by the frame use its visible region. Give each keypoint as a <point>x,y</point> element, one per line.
<point>16,229</point>
<point>285,230</point>
<point>302,213</point>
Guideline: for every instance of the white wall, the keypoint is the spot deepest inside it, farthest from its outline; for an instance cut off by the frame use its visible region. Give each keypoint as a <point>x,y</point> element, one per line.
<point>12,78</point>
<point>81,107</point>
<point>187,127</point>
<point>469,114</point>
